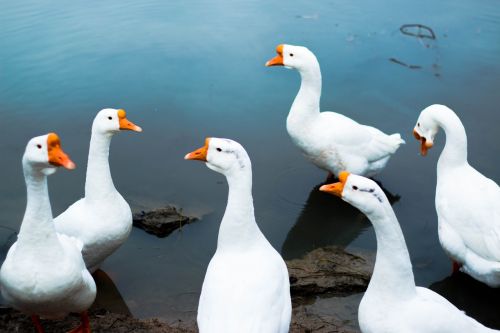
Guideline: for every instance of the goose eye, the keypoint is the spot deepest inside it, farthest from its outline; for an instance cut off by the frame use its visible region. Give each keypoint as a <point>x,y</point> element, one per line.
<point>354,187</point>
<point>110,117</point>
<point>39,146</point>
<point>218,149</point>
<point>291,54</point>
<point>418,124</point>
<point>371,190</point>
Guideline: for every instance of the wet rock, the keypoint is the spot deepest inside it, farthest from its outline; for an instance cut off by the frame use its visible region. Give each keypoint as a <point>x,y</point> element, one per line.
<point>161,222</point>
<point>329,271</point>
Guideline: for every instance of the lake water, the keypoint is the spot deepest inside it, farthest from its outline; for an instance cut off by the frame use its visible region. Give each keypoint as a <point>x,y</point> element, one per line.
<point>185,70</point>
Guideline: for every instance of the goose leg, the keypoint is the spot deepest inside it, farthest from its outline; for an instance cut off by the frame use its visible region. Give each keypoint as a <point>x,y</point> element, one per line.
<point>84,327</point>
<point>38,325</point>
<point>455,267</point>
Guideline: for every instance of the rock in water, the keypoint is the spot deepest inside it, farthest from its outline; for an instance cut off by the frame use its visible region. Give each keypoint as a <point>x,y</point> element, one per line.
<point>161,222</point>
<point>329,271</point>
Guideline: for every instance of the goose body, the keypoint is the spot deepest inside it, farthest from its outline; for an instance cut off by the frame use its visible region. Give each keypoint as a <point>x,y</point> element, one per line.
<point>246,287</point>
<point>37,281</point>
<point>392,303</point>
<point>330,140</point>
<point>44,273</point>
<point>467,202</point>
<point>102,219</point>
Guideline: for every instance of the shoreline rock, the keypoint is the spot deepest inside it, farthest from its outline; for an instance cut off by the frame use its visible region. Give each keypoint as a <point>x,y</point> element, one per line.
<point>329,271</point>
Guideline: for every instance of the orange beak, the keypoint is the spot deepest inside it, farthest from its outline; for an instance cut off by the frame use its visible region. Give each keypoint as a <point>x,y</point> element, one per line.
<point>199,154</point>
<point>424,145</point>
<point>336,188</point>
<point>126,124</point>
<point>416,135</point>
<point>278,60</point>
<point>57,156</point>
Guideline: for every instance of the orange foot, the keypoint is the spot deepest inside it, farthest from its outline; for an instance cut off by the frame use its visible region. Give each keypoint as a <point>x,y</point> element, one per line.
<point>455,267</point>
<point>36,322</point>
<point>84,327</point>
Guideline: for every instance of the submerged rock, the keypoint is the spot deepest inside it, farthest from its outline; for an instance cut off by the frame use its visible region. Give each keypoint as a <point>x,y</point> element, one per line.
<point>329,271</point>
<point>161,222</point>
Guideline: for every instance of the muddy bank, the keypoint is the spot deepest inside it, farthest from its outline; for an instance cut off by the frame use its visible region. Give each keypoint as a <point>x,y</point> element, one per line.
<point>101,321</point>
<point>317,318</point>
<point>326,286</point>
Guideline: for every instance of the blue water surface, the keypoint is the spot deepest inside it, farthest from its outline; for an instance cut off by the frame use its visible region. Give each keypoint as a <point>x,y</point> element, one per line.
<point>185,70</point>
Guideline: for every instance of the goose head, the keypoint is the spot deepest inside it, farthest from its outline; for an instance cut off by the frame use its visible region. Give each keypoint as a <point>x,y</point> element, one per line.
<point>44,153</point>
<point>361,192</point>
<point>222,155</point>
<point>110,121</point>
<point>426,128</point>
<point>291,56</point>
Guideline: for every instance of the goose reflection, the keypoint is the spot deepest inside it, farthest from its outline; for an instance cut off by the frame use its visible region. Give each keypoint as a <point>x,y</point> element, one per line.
<point>108,296</point>
<point>325,220</point>
<point>475,298</point>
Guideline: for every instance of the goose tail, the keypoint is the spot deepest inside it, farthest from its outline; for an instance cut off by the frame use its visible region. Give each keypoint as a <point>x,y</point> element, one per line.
<point>396,138</point>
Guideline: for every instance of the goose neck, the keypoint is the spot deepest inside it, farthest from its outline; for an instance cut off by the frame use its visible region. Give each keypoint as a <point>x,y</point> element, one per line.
<point>37,229</point>
<point>455,149</point>
<point>392,274</point>
<point>238,229</point>
<point>306,103</point>
<point>98,181</point>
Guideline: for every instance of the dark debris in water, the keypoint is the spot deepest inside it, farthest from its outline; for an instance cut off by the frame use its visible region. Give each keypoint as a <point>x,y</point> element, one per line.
<point>161,222</point>
<point>420,32</point>
<point>399,62</point>
<point>417,30</point>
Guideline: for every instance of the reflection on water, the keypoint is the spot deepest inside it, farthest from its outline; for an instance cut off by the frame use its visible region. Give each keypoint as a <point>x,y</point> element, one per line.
<point>8,236</point>
<point>108,296</point>
<point>475,298</point>
<point>326,220</point>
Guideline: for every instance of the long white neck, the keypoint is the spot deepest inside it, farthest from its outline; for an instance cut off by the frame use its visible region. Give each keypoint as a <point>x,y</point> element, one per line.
<point>455,150</point>
<point>98,183</point>
<point>238,229</point>
<point>37,233</point>
<point>392,275</point>
<point>306,103</point>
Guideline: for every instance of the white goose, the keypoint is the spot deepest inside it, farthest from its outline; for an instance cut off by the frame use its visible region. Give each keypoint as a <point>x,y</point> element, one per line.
<point>44,273</point>
<point>331,141</point>
<point>467,203</point>
<point>102,219</point>
<point>246,287</point>
<point>392,303</point>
